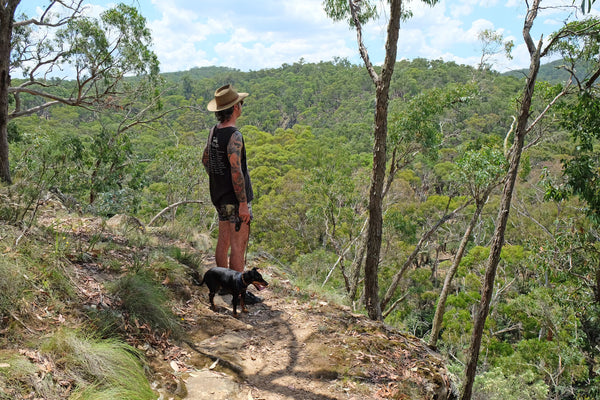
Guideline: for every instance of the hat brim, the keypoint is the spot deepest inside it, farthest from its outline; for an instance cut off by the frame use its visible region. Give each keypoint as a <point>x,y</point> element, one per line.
<point>212,105</point>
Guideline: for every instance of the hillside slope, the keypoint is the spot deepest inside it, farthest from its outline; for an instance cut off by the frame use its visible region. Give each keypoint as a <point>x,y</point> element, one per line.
<point>293,345</point>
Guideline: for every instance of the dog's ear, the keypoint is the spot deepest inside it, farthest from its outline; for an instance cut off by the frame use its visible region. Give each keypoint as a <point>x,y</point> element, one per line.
<point>255,269</point>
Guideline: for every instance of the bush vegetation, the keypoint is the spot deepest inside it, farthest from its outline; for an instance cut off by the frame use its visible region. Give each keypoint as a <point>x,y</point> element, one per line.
<point>308,130</point>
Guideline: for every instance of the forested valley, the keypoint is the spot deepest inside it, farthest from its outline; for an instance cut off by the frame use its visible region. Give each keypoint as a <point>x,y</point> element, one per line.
<point>308,131</point>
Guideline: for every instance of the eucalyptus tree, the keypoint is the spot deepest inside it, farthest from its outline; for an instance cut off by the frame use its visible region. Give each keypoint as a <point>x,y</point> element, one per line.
<point>479,172</point>
<point>95,54</point>
<point>358,13</point>
<point>524,124</point>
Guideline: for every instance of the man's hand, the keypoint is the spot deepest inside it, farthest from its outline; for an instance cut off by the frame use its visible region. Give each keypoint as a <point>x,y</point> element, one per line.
<point>244,213</point>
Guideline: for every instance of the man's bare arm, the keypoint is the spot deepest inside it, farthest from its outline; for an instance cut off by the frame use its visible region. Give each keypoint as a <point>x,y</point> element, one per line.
<point>234,152</point>
<point>205,158</point>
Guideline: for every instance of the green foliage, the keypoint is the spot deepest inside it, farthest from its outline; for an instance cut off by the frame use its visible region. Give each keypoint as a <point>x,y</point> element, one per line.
<point>456,328</point>
<point>525,167</point>
<point>414,123</point>
<point>581,171</point>
<point>14,133</point>
<point>177,174</point>
<point>401,224</point>
<point>307,128</point>
<point>479,169</point>
<point>476,256</point>
<point>340,10</point>
<point>496,385</point>
<point>314,267</point>
<point>93,44</point>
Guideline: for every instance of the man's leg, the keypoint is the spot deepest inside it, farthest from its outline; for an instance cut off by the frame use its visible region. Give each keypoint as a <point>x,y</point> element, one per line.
<point>239,242</point>
<point>223,243</point>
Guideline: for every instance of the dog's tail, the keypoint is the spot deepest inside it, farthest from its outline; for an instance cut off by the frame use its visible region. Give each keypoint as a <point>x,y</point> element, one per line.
<point>197,279</point>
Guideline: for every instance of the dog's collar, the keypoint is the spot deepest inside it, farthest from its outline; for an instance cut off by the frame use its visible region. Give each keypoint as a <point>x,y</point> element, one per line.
<point>243,281</point>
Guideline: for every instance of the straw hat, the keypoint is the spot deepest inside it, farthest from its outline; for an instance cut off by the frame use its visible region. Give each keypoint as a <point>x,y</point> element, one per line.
<point>225,97</point>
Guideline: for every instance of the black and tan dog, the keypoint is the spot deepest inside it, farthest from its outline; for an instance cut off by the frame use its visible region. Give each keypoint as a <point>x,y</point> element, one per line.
<point>232,282</point>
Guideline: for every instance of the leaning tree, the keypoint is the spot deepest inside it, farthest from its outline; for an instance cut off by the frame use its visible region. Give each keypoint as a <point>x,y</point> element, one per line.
<point>525,122</point>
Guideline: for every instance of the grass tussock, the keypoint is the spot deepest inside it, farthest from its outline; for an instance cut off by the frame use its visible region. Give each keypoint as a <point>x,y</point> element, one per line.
<point>147,301</point>
<point>13,286</point>
<point>99,369</point>
<point>16,375</point>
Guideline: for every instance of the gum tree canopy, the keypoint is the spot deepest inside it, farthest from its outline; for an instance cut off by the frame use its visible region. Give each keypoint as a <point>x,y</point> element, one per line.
<point>95,54</point>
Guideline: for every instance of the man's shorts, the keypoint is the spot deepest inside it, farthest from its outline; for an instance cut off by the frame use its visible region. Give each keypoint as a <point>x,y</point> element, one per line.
<point>230,212</point>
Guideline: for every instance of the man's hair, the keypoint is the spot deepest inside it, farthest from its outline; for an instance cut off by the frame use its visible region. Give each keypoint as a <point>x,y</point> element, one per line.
<point>224,115</point>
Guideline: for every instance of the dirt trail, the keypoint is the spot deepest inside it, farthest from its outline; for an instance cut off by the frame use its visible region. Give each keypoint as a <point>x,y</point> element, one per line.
<point>294,346</point>
<point>272,346</point>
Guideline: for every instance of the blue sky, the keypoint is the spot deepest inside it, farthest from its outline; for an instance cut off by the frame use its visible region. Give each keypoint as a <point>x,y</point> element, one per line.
<point>253,35</point>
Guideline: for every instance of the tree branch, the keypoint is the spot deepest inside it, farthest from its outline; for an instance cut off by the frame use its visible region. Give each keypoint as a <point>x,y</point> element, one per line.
<point>548,106</point>
<point>171,207</point>
<point>75,7</point>
<point>354,9</point>
<point>396,280</point>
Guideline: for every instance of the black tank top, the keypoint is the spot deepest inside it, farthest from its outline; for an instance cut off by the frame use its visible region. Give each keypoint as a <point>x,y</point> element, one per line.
<point>219,169</point>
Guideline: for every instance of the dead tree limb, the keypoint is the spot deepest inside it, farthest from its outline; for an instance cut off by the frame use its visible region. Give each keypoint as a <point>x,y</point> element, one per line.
<point>170,207</point>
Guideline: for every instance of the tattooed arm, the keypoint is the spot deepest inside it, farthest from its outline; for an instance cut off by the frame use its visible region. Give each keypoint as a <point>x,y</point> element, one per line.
<point>205,155</point>
<point>205,158</point>
<point>234,152</point>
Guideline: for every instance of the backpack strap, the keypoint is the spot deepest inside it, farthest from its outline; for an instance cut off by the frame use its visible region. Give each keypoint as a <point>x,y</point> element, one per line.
<point>210,135</point>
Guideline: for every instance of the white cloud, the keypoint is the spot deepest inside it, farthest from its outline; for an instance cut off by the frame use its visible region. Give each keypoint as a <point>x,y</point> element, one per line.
<point>268,33</point>
<point>307,10</point>
<point>253,38</point>
<point>270,54</point>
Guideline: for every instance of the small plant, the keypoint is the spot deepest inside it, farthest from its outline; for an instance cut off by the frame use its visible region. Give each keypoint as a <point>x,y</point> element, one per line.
<point>191,260</point>
<point>107,323</point>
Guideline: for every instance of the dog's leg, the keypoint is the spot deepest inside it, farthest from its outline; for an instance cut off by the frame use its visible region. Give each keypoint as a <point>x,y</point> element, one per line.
<point>243,302</point>
<point>211,298</point>
<point>234,302</point>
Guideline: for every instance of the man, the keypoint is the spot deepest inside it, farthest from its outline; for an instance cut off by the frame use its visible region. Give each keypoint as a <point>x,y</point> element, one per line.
<point>224,159</point>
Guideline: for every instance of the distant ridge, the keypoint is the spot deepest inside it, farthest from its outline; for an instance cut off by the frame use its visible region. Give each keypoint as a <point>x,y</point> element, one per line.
<point>199,72</point>
<point>550,72</point>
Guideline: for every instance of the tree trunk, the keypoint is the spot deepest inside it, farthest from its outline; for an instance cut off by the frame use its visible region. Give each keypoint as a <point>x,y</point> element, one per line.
<point>511,177</point>
<point>375,208</point>
<point>441,305</point>
<point>7,12</point>
<point>374,229</point>
<point>597,297</point>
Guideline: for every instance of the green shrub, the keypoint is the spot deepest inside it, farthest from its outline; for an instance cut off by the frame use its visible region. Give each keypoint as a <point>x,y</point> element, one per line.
<point>494,385</point>
<point>107,323</point>
<point>314,267</point>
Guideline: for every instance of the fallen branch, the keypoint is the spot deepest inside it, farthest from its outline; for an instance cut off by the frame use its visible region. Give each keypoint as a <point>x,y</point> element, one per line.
<point>171,207</point>
<point>12,314</point>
